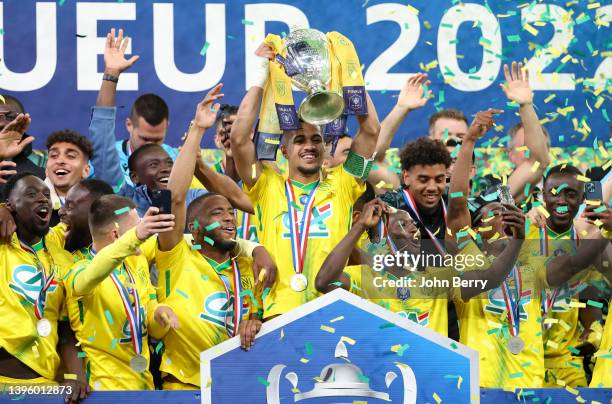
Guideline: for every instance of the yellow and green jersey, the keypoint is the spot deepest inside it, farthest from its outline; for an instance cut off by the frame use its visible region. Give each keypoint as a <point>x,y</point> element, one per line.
<point>101,324</point>
<point>22,282</point>
<point>331,217</point>
<point>206,298</point>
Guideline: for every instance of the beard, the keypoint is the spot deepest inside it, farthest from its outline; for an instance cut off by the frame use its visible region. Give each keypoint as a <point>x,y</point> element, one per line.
<point>76,239</point>
<point>308,171</point>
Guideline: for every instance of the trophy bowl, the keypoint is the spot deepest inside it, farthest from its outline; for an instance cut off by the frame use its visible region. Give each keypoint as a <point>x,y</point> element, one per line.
<point>308,55</point>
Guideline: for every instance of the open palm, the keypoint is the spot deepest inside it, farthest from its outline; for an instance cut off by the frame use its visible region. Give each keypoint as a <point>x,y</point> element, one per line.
<point>114,53</point>
<point>206,112</point>
<point>517,84</point>
<point>11,142</point>
<point>412,95</point>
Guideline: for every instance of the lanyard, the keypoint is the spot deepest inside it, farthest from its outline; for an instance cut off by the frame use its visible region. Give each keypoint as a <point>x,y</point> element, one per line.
<point>131,311</point>
<point>549,299</point>
<point>299,235</point>
<point>512,300</point>
<point>237,288</point>
<point>383,231</point>
<point>47,281</point>
<point>413,207</point>
<point>246,224</point>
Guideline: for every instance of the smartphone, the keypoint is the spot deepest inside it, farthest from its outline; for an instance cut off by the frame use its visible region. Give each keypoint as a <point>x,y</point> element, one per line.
<point>592,191</point>
<point>505,196</point>
<point>162,199</point>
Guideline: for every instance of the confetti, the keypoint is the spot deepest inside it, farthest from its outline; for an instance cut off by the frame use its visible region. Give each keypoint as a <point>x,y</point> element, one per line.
<point>70,376</point>
<point>196,247</point>
<point>204,48</point>
<point>412,9</point>
<point>437,398</point>
<point>246,22</point>
<point>253,171</point>
<point>109,317</point>
<point>593,303</point>
<point>261,379</point>
<point>333,320</point>
<point>304,360</point>
<point>121,211</point>
<point>328,329</point>
<point>212,226</point>
<point>209,240</point>
<point>348,340</point>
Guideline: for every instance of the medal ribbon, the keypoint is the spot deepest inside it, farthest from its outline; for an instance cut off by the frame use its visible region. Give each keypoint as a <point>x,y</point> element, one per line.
<point>413,207</point>
<point>512,299</point>
<point>131,311</point>
<point>549,301</point>
<point>47,281</point>
<point>237,298</point>
<point>384,233</point>
<point>299,235</point>
<point>246,223</point>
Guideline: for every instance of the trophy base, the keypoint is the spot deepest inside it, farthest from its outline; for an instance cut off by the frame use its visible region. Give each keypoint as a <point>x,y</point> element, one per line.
<point>321,107</point>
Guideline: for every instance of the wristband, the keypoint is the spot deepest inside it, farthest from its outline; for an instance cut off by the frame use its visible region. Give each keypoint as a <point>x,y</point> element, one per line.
<point>358,166</point>
<point>261,69</point>
<point>110,77</point>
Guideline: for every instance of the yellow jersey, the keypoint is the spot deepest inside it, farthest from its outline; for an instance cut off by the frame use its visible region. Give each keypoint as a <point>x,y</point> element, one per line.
<point>330,220</point>
<point>424,304</point>
<point>602,372</point>
<point>484,326</point>
<point>562,327</point>
<point>101,323</point>
<point>201,292</point>
<point>21,285</point>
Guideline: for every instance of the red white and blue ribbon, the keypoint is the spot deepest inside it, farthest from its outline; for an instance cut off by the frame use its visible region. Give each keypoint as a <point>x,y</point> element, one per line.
<point>132,312</point>
<point>549,298</point>
<point>47,281</point>
<point>413,207</point>
<point>299,233</point>
<point>246,223</point>
<point>383,232</point>
<point>237,307</point>
<point>512,300</point>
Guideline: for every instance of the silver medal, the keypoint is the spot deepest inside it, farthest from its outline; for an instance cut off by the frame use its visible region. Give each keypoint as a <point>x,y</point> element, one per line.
<point>299,282</point>
<point>139,363</point>
<point>43,327</point>
<point>516,345</point>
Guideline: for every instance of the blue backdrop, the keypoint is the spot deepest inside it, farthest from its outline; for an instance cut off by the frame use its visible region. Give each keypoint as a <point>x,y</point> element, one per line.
<point>48,55</point>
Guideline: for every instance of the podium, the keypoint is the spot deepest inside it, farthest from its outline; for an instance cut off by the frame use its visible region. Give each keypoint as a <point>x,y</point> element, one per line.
<point>341,348</point>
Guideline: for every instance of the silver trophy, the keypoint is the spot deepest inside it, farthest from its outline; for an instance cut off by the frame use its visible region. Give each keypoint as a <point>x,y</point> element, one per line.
<point>308,65</point>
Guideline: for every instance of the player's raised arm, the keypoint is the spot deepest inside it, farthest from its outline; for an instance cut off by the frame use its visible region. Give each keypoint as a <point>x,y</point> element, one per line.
<point>243,148</point>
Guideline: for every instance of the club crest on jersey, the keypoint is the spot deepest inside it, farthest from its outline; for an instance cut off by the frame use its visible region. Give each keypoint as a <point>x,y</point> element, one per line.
<point>496,304</point>
<point>126,332</point>
<point>219,311</point>
<point>318,228</point>
<point>27,282</point>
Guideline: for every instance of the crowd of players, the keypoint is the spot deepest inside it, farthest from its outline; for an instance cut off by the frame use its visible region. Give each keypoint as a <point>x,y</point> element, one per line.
<point>100,290</point>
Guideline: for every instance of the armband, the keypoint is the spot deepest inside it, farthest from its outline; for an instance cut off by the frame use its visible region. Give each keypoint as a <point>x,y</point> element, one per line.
<point>358,166</point>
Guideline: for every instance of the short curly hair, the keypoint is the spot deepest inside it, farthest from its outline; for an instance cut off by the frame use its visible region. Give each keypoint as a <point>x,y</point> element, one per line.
<point>424,151</point>
<point>72,137</point>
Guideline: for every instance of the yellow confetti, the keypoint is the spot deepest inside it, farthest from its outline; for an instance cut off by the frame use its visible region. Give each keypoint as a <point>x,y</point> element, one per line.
<point>333,320</point>
<point>253,171</point>
<point>272,141</point>
<point>577,304</point>
<point>530,29</point>
<point>437,398</point>
<point>348,340</point>
<point>583,178</point>
<point>572,390</point>
<point>535,166</point>
<point>70,376</point>
<point>459,381</point>
<point>282,333</point>
<point>483,229</point>
<point>328,329</point>
<point>543,211</point>
<point>412,10</point>
<point>304,360</point>
<point>549,98</point>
